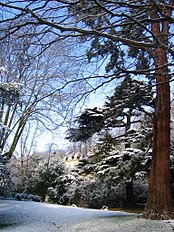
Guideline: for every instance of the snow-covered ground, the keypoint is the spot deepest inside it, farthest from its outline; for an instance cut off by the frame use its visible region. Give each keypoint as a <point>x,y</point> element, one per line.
<point>22,216</point>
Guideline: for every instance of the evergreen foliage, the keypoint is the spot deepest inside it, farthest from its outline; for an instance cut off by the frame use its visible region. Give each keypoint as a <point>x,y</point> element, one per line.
<point>89,122</point>
<point>130,98</point>
<point>48,174</point>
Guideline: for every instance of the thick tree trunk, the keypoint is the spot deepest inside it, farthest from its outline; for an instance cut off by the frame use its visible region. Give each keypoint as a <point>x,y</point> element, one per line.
<point>159,203</point>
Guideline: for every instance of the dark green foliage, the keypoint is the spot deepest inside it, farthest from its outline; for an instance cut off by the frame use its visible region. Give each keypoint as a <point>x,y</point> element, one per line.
<point>130,97</point>
<point>49,174</point>
<point>89,122</point>
<point>38,174</point>
<point>78,134</point>
<point>102,48</point>
<point>132,102</point>
<point>105,179</point>
<point>88,10</point>
<point>97,15</point>
<point>90,117</point>
<point>93,193</point>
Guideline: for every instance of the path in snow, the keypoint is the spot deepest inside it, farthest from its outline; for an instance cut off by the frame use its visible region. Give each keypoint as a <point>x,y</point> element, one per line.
<point>22,216</point>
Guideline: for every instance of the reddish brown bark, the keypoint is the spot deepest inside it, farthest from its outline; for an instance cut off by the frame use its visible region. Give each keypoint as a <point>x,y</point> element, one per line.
<point>159,204</point>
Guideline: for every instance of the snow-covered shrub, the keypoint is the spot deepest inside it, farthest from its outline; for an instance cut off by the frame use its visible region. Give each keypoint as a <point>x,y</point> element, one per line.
<point>59,192</point>
<point>112,180</point>
<point>23,174</point>
<point>6,184</point>
<point>27,197</point>
<point>49,179</point>
<point>87,194</point>
<point>141,187</point>
<point>94,193</point>
<point>44,175</point>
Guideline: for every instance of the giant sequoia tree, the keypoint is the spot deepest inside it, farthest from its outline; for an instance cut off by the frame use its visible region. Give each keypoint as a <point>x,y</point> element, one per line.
<point>136,38</point>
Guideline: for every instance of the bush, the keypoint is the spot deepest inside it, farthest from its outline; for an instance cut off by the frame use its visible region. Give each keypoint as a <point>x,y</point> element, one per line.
<point>28,197</point>
<point>93,193</point>
<point>49,179</point>
<point>6,184</point>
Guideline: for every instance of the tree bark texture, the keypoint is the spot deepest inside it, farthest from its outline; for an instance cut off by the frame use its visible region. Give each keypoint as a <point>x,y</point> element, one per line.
<point>159,204</point>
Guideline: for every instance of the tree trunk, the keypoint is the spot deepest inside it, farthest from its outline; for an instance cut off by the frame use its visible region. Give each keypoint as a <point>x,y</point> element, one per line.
<point>130,200</point>
<point>159,204</point>
<point>127,127</point>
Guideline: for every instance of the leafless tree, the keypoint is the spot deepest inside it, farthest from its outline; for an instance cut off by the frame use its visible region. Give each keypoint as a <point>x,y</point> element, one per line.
<point>31,89</point>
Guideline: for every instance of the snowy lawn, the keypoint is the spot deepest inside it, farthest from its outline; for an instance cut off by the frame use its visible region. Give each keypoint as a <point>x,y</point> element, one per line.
<point>22,216</point>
